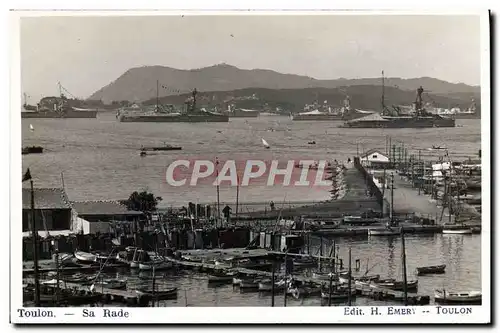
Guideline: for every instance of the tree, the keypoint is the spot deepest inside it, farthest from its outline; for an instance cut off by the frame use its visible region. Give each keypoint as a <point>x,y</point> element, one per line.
<point>144,202</point>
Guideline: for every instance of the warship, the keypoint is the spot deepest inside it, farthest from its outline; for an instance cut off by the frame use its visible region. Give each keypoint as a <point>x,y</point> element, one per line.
<point>56,107</point>
<point>191,115</point>
<point>419,118</point>
<point>241,113</point>
<point>469,113</point>
<point>345,113</point>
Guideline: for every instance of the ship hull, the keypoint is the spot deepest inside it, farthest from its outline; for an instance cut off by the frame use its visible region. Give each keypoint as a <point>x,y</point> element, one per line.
<point>327,117</point>
<point>175,119</point>
<point>243,114</point>
<point>67,114</point>
<point>403,123</point>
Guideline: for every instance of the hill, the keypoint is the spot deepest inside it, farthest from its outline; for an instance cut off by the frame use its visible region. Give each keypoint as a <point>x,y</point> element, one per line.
<point>139,84</point>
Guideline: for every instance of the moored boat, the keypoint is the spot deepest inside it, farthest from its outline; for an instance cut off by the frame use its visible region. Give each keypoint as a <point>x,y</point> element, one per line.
<point>395,285</point>
<point>249,284</point>
<point>164,294</point>
<point>337,296</point>
<point>463,229</point>
<point>85,257</point>
<point>439,269</point>
<point>157,264</point>
<point>463,298</point>
<point>384,232</point>
<point>111,284</point>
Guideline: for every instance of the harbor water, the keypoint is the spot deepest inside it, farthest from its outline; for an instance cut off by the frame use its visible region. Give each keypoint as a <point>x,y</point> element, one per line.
<point>100,160</point>
<point>382,255</point>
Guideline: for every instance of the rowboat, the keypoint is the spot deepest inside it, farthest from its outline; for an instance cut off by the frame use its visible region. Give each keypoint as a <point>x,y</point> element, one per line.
<point>395,285</point>
<point>111,284</point>
<point>464,298</point>
<point>337,296</point>
<point>344,278</point>
<point>464,230</point>
<point>170,293</point>
<point>85,257</point>
<point>431,270</point>
<point>221,278</point>
<point>157,264</point>
<point>304,261</point>
<point>266,286</point>
<point>300,292</point>
<point>323,276</point>
<point>384,232</point>
<point>249,284</point>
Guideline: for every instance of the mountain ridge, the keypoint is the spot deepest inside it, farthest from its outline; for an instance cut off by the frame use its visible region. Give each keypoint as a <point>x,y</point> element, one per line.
<point>139,83</point>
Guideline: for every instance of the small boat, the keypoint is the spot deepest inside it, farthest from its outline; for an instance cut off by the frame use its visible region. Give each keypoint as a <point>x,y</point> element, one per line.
<point>438,147</point>
<point>79,278</point>
<point>249,284</point>
<point>85,257</point>
<point>344,278</point>
<point>111,284</point>
<point>463,298</point>
<point>395,285</point>
<point>384,232</point>
<point>142,153</point>
<point>301,292</point>
<point>304,261</point>
<point>32,150</point>
<point>264,142</point>
<point>162,148</point>
<point>337,296</point>
<point>157,264</point>
<point>439,269</point>
<point>323,276</point>
<point>266,286</point>
<point>311,143</point>
<point>165,294</point>
<point>221,278</point>
<point>464,230</point>
<point>476,230</point>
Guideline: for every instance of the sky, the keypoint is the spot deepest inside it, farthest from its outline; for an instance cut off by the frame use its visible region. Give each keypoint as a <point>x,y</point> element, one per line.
<point>87,53</point>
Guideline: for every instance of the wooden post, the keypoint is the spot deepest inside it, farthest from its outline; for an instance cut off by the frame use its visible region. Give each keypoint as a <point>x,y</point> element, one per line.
<point>330,290</point>
<point>35,246</point>
<point>286,287</point>
<point>320,252</point>
<point>349,283</point>
<point>405,282</point>
<point>272,282</point>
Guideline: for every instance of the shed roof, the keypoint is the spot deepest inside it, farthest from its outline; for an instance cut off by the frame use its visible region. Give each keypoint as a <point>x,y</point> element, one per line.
<point>102,208</point>
<point>46,198</point>
<point>371,151</point>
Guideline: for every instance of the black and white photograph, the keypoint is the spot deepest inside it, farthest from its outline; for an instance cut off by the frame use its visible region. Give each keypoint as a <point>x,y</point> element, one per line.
<point>204,166</point>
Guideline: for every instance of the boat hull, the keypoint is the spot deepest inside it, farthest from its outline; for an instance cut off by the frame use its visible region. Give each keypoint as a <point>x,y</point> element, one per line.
<point>431,270</point>
<point>458,231</point>
<point>67,114</point>
<point>406,122</point>
<point>176,119</point>
<point>156,265</point>
<point>458,299</point>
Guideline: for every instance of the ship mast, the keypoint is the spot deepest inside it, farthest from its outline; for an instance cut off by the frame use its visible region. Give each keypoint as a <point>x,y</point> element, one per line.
<point>157,97</point>
<point>383,93</point>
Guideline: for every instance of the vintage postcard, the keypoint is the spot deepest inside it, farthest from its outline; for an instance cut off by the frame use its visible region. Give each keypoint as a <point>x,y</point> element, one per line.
<point>203,167</point>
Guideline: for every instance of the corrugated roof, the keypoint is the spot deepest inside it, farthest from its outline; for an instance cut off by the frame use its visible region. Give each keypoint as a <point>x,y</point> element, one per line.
<point>46,198</point>
<point>102,208</point>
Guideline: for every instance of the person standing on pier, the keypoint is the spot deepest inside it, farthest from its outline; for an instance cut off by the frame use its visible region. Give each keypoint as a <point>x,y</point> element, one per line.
<point>271,204</point>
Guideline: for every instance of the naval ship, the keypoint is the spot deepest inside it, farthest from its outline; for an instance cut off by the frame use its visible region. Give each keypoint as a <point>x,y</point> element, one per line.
<point>241,113</point>
<point>56,107</point>
<point>420,118</point>
<point>191,115</point>
<point>345,113</point>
